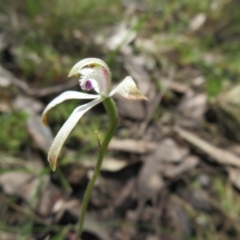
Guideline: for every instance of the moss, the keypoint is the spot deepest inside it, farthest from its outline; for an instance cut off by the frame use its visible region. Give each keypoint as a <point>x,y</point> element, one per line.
<point>13,133</point>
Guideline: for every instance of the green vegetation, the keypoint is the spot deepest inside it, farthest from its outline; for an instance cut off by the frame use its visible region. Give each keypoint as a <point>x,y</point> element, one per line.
<point>13,132</point>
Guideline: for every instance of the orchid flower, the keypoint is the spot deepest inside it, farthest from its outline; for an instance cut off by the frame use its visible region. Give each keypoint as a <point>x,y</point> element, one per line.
<point>94,75</point>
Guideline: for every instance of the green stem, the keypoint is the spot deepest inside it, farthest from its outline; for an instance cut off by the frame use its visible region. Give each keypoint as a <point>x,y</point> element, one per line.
<point>113,120</point>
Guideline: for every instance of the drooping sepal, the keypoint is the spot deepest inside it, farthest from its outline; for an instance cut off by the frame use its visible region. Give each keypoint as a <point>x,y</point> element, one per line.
<point>65,130</point>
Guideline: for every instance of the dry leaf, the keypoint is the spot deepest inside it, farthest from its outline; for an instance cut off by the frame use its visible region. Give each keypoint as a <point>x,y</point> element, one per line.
<point>132,146</point>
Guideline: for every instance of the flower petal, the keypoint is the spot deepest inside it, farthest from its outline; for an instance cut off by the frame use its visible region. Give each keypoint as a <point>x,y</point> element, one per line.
<point>128,89</point>
<point>88,71</point>
<point>65,131</point>
<point>94,68</point>
<point>91,62</point>
<point>99,76</point>
<point>63,97</point>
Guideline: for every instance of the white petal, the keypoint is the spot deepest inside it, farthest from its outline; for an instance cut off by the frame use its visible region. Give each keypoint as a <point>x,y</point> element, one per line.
<point>65,131</point>
<point>63,97</point>
<point>100,75</point>
<point>88,71</point>
<point>128,89</point>
<point>88,62</point>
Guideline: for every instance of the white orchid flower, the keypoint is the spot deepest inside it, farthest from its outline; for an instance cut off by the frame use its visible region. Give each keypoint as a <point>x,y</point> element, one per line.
<point>96,75</point>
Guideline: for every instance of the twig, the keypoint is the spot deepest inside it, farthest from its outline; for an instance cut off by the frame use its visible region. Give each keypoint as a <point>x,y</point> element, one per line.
<point>11,79</point>
<point>220,155</point>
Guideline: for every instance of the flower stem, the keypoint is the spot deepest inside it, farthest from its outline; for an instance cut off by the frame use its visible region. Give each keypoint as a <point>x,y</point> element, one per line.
<point>113,120</point>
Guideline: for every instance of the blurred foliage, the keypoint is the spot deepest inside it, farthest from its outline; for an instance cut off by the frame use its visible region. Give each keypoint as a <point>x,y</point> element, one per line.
<point>45,36</point>
<point>13,138</point>
<point>48,37</point>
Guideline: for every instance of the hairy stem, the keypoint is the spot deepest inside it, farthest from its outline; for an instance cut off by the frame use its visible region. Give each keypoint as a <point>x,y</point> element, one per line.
<point>113,120</point>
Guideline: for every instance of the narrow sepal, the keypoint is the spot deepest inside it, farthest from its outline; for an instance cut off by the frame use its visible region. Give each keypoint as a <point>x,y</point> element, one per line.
<point>63,97</point>
<point>65,131</point>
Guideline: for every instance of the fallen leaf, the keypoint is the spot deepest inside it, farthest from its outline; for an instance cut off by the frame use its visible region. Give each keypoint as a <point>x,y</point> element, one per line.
<point>24,184</point>
<point>28,104</point>
<point>133,146</point>
<point>42,135</point>
<point>197,22</point>
<point>170,151</point>
<point>192,109</point>
<point>173,172</point>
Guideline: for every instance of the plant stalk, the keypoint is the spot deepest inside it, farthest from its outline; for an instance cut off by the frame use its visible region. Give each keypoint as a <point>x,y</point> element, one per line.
<point>110,107</point>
